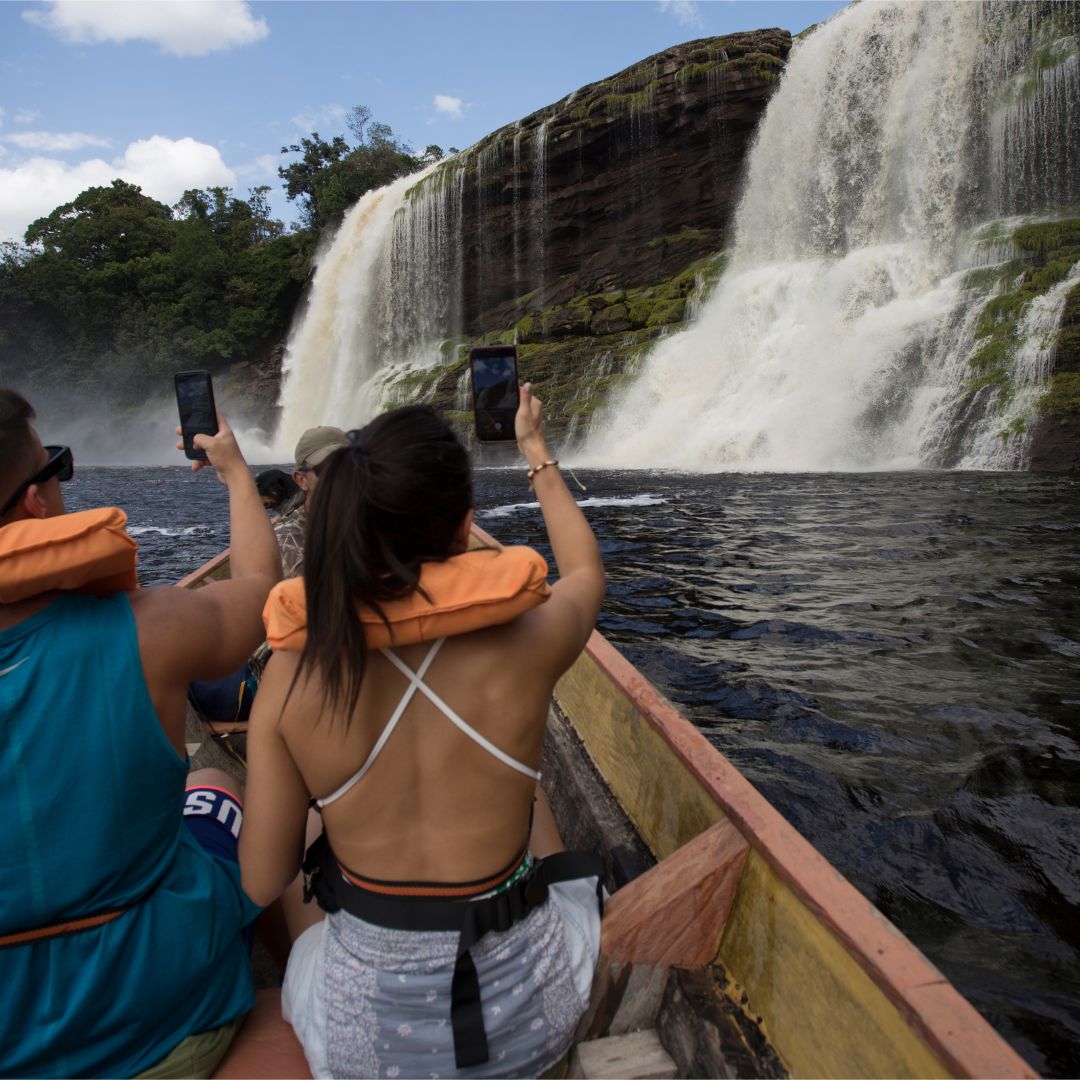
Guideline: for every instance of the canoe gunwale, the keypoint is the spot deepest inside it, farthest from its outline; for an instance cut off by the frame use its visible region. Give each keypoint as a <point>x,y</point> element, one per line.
<point>207,570</point>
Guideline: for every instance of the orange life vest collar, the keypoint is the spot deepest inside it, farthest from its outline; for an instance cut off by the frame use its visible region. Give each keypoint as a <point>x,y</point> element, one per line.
<point>88,552</point>
<point>468,592</point>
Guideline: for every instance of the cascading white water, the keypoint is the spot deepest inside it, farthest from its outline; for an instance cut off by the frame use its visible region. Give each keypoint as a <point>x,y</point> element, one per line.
<point>839,336</point>
<point>539,186</point>
<point>336,355</point>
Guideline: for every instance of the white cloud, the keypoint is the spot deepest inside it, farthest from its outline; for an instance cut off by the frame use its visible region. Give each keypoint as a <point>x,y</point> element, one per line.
<point>323,118</point>
<point>163,168</point>
<point>686,12</point>
<point>26,116</point>
<point>263,167</point>
<point>452,106</point>
<point>181,27</point>
<point>1,115</point>
<point>54,141</point>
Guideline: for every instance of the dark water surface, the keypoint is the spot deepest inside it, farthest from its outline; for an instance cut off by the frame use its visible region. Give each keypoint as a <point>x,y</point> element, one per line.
<point>892,659</point>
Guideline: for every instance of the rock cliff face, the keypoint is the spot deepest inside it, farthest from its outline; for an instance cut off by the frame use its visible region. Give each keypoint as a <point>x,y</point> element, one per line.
<point>581,231</point>
<point>623,183</point>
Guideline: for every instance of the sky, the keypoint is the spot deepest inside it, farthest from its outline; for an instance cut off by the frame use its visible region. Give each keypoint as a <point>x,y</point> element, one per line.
<point>197,93</point>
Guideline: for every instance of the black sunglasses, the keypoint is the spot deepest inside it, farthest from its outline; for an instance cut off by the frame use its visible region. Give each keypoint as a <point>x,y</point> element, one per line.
<point>61,464</point>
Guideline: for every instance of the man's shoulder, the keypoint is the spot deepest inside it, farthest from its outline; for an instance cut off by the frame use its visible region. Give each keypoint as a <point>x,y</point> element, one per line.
<point>291,522</point>
<point>289,531</point>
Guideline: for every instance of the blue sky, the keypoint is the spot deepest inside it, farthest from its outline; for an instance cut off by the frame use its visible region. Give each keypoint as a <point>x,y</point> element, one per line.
<point>201,92</point>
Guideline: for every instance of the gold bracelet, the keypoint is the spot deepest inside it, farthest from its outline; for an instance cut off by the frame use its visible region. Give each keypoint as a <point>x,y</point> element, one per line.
<point>539,468</point>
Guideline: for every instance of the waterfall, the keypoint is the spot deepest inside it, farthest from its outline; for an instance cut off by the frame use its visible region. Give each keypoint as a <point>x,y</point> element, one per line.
<point>517,208</point>
<point>842,333</point>
<point>338,357</point>
<point>875,311</point>
<point>537,249</point>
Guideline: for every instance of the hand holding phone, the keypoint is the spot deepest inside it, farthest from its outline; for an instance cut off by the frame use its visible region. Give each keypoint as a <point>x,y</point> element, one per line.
<point>495,391</point>
<point>529,426</point>
<point>198,414</point>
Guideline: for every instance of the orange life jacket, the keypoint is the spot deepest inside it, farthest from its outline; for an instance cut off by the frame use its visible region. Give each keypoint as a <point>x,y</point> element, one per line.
<point>88,552</point>
<point>468,592</point>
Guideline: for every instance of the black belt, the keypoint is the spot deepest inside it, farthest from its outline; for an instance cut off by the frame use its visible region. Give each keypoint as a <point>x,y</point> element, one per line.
<point>471,918</point>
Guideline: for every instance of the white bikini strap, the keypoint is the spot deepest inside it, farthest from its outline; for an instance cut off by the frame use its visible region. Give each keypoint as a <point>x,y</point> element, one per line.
<point>418,684</point>
<point>403,704</point>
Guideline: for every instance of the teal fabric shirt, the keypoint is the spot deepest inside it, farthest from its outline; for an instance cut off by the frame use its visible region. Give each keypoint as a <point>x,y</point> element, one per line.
<point>91,793</point>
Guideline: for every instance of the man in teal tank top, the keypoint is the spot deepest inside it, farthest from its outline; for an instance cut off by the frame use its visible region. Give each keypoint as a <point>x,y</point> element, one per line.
<point>120,902</point>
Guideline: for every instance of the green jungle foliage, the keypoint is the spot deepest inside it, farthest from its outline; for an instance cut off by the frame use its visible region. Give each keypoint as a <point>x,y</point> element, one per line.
<point>115,290</point>
<point>112,292</point>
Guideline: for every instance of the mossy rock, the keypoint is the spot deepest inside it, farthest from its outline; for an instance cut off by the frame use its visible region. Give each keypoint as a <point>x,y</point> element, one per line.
<point>655,311</point>
<point>1003,310</point>
<point>529,329</point>
<point>667,313</point>
<point>612,320</point>
<point>1061,403</point>
<point>570,321</point>
<point>1052,248</point>
<point>984,278</point>
<point>698,72</point>
<point>1047,236</point>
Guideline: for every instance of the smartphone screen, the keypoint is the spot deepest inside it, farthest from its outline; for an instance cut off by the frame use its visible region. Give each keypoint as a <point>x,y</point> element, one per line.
<point>495,391</point>
<point>195,400</point>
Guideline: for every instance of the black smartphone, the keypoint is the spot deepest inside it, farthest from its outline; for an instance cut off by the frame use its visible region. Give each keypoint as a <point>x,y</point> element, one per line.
<point>198,414</point>
<point>495,391</point>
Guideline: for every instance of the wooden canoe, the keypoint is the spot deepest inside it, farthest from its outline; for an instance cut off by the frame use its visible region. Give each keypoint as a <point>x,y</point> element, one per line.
<point>728,939</point>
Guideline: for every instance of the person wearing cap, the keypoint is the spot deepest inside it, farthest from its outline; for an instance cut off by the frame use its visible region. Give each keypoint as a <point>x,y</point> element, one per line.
<point>312,449</point>
<point>224,704</point>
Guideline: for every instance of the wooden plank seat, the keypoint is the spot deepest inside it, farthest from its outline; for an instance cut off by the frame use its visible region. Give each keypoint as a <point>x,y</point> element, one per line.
<point>265,1047</point>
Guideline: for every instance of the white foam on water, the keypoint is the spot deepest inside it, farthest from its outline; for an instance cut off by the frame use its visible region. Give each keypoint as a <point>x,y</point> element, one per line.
<point>191,530</point>
<point>632,500</point>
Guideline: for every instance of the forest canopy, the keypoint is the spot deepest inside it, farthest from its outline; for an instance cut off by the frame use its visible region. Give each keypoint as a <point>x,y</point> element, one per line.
<point>115,290</point>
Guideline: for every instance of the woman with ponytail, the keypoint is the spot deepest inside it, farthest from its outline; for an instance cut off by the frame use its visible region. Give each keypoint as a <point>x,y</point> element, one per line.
<point>406,701</point>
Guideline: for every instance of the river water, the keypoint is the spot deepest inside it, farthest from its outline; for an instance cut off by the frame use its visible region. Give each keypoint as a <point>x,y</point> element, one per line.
<point>892,658</point>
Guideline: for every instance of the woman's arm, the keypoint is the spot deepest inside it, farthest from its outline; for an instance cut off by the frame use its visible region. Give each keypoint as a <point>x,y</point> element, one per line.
<point>276,797</point>
<point>579,592</point>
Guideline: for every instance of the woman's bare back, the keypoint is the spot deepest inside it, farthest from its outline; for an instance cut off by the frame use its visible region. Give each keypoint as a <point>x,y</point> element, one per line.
<point>435,805</point>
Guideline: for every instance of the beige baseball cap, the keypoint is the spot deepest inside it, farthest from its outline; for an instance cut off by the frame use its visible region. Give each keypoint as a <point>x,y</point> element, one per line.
<point>317,444</point>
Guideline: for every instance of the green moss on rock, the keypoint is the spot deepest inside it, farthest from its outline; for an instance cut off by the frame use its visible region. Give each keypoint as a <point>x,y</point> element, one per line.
<point>984,278</point>
<point>1061,403</point>
<point>1052,249</point>
<point>698,72</point>
<point>1047,236</point>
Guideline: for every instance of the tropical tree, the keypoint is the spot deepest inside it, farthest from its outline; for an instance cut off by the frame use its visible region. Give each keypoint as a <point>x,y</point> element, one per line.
<point>331,175</point>
<point>104,225</point>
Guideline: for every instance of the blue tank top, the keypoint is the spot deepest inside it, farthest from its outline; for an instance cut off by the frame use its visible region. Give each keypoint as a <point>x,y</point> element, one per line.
<point>91,793</point>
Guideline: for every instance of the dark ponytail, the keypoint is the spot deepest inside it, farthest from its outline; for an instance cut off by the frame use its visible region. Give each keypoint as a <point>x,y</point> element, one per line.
<point>390,502</point>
